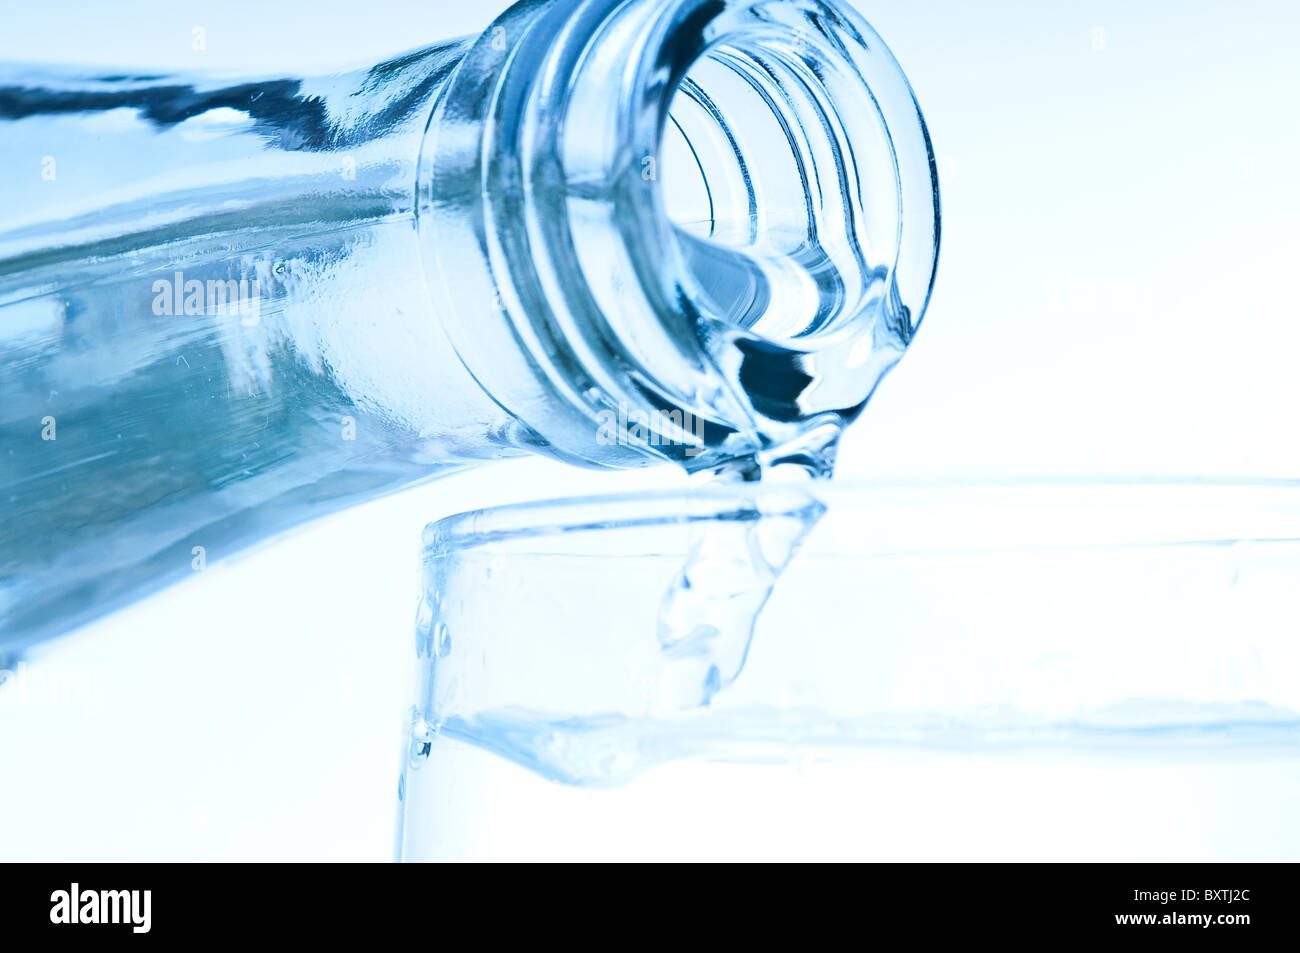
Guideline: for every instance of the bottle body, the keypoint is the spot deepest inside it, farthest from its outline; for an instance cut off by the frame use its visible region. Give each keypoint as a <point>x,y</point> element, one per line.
<point>209,329</point>
<point>227,307</point>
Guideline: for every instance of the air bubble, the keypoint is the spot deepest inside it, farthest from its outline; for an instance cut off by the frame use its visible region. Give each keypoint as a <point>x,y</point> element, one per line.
<point>421,742</point>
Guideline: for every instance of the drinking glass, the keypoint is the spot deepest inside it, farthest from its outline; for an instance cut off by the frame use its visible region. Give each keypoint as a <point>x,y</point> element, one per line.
<point>987,670</point>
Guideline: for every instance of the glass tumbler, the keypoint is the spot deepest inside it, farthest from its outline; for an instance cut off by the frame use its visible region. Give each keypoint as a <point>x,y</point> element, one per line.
<point>984,671</point>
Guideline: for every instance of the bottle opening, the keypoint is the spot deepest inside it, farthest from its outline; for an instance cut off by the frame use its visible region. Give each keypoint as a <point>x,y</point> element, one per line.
<point>801,206</point>
<point>786,219</point>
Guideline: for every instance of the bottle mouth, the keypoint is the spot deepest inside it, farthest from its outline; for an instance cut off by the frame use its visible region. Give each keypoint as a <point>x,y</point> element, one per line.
<point>725,213</point>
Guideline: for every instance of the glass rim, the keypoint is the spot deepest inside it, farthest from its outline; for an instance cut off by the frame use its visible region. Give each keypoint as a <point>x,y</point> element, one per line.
<point>1118,495</point>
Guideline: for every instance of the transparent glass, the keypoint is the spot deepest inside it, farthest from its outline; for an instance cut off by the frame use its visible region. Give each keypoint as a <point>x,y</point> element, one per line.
<point>984,671</point>
<point>228,305</point>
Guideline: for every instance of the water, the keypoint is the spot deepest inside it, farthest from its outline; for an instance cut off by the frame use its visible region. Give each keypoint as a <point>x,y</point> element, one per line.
<point>892,803</point>
<point>706,620</point>
<point>610,751</point>
<point>934,671</point>
<point>754,769</point>
<point>706,629</point>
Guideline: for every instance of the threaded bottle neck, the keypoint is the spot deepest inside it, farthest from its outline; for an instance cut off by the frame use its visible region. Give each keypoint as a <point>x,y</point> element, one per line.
<point>722,213</point>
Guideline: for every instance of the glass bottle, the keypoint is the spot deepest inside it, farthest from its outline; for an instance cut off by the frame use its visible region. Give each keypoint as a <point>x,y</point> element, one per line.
<point>612,232</point>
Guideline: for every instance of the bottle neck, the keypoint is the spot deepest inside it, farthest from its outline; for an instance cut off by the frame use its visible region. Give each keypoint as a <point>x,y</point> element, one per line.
<point>689,212</point>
